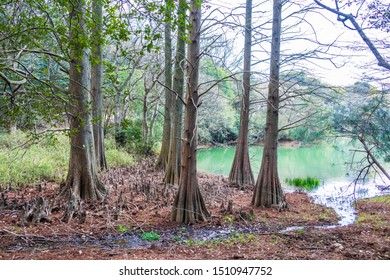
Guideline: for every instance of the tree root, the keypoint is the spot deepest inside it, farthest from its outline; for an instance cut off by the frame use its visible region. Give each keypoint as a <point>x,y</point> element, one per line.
<point>36,211</point>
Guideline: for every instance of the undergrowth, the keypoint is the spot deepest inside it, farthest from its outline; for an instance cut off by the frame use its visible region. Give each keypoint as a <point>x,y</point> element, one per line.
<point>28,162</point>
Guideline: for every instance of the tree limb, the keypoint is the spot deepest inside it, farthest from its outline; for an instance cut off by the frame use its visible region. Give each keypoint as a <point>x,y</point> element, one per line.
<point>343,17</point>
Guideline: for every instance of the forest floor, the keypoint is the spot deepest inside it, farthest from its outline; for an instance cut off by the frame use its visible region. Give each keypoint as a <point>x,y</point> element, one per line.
<point>138,210</point>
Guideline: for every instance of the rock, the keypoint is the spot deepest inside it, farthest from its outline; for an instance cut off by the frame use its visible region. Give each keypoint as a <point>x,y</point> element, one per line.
<point>337,247</point>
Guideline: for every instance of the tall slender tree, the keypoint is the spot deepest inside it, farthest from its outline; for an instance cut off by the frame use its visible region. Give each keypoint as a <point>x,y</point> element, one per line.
<point>166,137</point>
<point>172,170</point>
<point>97,82</point>
<point>189,206</point>
<point>268,190</point>
<point>82,180</point>
<point>241,172</point>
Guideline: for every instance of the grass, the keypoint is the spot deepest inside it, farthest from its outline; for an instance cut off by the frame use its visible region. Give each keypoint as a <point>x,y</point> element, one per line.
<point>150,236</point>
<point>375,213</point>
<point>47,159</point>
<point>373,220</point>
<point>307,183</point>
<point>123,228</point>
<point>380,199</point>
<point>234,239</point>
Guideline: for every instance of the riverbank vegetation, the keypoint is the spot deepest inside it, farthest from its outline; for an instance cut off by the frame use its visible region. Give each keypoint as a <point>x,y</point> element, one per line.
<point>24,161</point>
<point>307,183</point>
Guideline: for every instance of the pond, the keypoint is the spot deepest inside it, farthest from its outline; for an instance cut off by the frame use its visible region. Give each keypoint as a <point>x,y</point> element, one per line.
<point>330,162</point>
<point>324,161</point>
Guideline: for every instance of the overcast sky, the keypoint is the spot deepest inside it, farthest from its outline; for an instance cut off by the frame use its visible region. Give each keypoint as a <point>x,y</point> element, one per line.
<point>349,60</point>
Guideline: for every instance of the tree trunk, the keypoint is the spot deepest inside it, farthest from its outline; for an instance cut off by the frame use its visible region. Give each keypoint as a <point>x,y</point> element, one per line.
<point>11,127</point>
<point>96,85</point>
<point>166,138</point>
<point>82,179</point>
<point>241,172</point>
<point>145,115</point>
<point>268,190</point>
<point>153,121</point>
<point>189,206</point>
<point>172,171</point>
<point>118,93</point>
<point>117,117</point>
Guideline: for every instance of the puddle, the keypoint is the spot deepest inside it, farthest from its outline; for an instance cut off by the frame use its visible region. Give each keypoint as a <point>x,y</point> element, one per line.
<point>132,239</point>
<point>183,235</point>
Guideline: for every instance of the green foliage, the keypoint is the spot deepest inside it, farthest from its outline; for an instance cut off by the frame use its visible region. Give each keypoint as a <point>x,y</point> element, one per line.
<point>118,157</point>
<point>368,121</point>
<point>123,228</point>
<point>130,132</point>
<point>218,118</point>
<point>25,160</point>
<point>308,134</point>
<point>36,161</point>
<point>229,219</point>
<point>373,219</point>
<point>308,183</point>
<point>176,237</point>
<point>307,108</point>
<point>130,137</point>
<point>217,121</point>
<point>212,71</point>
<point>239,238</point>
<point>150,236</point>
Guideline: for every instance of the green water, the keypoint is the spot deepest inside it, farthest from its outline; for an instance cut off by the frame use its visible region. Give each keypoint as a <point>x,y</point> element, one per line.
<point>324,161</point>
<point>328,162</point>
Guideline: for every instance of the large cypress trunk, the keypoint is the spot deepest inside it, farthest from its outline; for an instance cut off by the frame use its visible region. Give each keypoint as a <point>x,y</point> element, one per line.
<point>189,206</point>
<point>96,85</point>
<point>241,172</point>
<point>82,179</point>
<point>172,171</point>
<point>268,190</point>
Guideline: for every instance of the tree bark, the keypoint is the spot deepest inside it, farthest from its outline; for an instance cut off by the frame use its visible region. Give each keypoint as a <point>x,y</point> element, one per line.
<point>162,161</point>
<point>172,171</point>
<point>82,180</point>
<point>145,115</point>
<point>96,84</point>
<point>117,114</point>
<point>11,127</point>
<point>153,120</point>
<point>241,172</point>
<point>268,190</point>
<point>189,206</point>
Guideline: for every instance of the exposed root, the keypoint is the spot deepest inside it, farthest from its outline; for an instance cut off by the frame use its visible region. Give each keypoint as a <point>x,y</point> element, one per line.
<point>36,211</point>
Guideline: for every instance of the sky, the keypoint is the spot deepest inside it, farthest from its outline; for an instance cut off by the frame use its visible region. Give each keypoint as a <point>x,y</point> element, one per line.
<point>349,60</point>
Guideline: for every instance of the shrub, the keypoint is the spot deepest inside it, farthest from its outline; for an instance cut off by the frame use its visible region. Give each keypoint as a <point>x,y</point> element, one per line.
<point>130,137</point>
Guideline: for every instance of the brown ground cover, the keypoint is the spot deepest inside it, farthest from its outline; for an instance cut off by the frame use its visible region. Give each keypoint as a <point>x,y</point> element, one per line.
<point>139,204</point>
